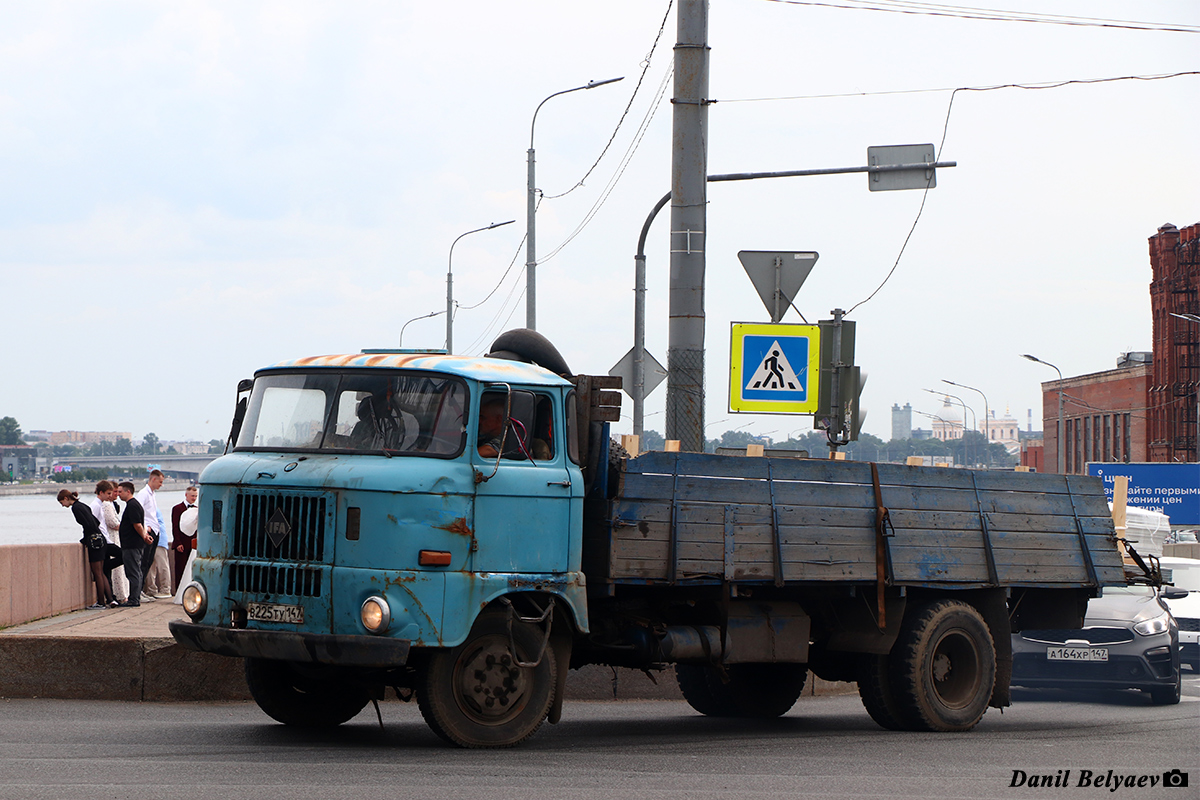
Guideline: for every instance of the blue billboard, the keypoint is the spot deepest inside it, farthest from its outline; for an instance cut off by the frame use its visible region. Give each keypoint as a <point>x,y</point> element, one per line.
<point>1173,489</point>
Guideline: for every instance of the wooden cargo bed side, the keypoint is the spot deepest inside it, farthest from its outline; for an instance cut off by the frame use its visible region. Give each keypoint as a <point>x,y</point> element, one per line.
<point>694,517</point>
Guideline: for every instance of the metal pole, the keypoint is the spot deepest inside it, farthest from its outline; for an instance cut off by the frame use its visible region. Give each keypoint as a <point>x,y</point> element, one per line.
<point>531,210</point>
<point>450,285</point>
<point>450,307</point>
<point>987,417</point>
<point>689,175</point>
<point>1060,450</point>
<point>531,239</point>
<point>638,390</point>
<point>639,311</point>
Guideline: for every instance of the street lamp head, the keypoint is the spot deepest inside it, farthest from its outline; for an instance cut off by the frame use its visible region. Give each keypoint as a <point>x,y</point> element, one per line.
<point>499,224</point>
<point>594,84</point>
<point>1031,358</point>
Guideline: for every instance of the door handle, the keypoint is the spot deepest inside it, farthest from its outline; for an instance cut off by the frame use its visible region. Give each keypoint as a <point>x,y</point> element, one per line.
<point>558,483</point>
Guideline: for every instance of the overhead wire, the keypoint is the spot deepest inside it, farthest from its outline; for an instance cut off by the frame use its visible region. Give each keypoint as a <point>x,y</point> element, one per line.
<point>645,68</point>
<point>992,15</point>
<point>1034,85</point>
<point>639,134</point>
<point>942,144</point>
<point>621,166</point>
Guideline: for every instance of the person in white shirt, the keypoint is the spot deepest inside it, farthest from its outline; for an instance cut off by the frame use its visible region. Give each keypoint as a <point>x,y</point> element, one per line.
<point>110,525</point>
<point>157,569</point>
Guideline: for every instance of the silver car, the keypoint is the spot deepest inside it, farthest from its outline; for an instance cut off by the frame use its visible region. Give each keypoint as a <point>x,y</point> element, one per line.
<point>1129,640</point>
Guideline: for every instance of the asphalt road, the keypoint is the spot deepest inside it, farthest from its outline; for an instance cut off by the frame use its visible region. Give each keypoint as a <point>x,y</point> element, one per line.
<point>825,747</point>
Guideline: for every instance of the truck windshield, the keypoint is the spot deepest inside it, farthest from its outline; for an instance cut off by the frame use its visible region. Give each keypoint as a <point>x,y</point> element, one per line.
<point>393,413</point>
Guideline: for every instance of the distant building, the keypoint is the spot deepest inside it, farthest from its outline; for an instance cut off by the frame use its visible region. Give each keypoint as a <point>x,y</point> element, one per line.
<point>947,424</point>
<point>1147,408</point>
<point>19,461</point>
<point>1033,454</point>
<point>88,437</point>
<point>185,448</point>
<point>1005,431</point>
<point>901,421</point>
<point>1102,417</point>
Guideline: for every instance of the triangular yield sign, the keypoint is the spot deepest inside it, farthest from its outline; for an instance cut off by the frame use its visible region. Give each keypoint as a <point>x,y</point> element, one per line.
<point>792,268</point>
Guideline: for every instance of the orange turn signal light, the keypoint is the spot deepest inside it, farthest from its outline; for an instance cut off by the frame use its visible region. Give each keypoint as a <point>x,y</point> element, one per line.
<point>434,558</point>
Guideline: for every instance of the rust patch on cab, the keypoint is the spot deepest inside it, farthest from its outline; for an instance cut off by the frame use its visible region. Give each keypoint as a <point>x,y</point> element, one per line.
<point>458,526</point>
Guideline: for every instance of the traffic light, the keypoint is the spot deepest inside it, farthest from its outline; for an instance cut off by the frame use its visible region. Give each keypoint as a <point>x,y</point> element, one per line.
<point>851,385</point>
<point>841,384</point>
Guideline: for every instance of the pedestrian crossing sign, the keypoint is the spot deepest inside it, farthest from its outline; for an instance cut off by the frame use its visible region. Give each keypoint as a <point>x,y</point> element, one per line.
<point>774,369</point>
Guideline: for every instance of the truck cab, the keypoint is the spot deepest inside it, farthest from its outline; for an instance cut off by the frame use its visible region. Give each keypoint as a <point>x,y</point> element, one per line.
<point>374,503</point>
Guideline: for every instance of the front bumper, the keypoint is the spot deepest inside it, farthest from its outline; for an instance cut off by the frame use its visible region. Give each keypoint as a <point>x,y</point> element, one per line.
<point>310,648</point>
<point>1139,664</point>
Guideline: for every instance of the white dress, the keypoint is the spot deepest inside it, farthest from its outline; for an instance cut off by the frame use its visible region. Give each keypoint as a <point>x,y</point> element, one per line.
<point>188,523</point>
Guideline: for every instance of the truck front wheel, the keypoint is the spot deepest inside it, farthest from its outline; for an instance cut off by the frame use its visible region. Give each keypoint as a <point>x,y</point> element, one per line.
<point>477,695</point>
<point>943,667</point>
<point>752,690</point>
<point>289,696</point>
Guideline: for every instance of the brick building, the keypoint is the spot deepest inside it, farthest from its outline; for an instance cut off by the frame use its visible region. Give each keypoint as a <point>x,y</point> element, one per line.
<point>1104,417</point>
<point>1146,409</point>
<point>1175,289</point>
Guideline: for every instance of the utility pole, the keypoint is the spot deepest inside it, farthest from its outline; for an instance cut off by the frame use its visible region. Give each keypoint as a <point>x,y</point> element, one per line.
<point>689,176</point>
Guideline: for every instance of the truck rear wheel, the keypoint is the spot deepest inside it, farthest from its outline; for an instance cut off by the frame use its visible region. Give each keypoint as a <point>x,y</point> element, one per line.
<point>875,690</point>
<point>944,664</point>
<point>753,690</point>
<point>477,695</point>
<point>290,697</point>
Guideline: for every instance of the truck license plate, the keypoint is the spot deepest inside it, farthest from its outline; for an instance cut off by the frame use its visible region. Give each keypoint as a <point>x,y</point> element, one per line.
<point>274,612</point>
<point>1077,653</point>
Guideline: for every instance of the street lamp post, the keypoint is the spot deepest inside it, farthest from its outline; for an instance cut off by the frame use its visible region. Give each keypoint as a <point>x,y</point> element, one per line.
<point>1059,447</point>
<point>450,285</point>
<point>987,421</point>
<point>531,212</point>
<point>974,416</point>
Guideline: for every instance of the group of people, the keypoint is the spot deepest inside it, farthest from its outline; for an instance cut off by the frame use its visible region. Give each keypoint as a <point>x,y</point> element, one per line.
<point>132,557</point>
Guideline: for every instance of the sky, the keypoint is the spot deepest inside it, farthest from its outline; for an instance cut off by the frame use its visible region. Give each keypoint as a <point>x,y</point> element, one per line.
<point>195,190</point>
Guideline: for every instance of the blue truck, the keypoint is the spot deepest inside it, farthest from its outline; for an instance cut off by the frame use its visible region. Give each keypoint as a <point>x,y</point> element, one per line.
<point>464,531</point>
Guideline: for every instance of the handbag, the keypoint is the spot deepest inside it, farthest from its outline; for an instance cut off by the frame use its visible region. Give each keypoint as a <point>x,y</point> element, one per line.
<point>96,541</point>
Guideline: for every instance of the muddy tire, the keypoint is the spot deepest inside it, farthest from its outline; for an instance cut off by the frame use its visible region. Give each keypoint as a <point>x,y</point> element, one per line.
<point>943,667</point>
<point>287,695</point>
<point>875,691</point>
<point>475,695</point>
<point>759,691</point>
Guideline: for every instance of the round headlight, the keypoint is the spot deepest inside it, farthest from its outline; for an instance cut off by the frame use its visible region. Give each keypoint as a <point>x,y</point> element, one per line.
<point>376,616</point>
<point>195,600</point>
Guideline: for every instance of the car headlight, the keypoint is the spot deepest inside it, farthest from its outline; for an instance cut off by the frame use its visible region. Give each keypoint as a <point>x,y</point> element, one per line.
<point>1150,627</point>
<point>375,614</point>
<point>195,600</point>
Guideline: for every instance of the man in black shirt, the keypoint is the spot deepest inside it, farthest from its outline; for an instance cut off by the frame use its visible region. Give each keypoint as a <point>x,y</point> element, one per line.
<point>134,537</point>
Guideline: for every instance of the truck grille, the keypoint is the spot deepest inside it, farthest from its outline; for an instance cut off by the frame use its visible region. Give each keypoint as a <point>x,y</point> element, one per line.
<point>305,514</point>
<point>1188,623</point>
<point>271,579</point>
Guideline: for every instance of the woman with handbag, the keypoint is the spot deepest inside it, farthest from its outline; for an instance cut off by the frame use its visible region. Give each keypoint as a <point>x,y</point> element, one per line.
<point>94,543</point>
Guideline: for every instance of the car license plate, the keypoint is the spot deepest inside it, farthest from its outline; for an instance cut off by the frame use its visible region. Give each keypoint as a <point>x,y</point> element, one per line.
<point>1077,653</point>
<point>274,612</point>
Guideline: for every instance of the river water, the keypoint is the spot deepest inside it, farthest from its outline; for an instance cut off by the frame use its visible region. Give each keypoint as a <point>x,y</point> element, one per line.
<point>39,519</point>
